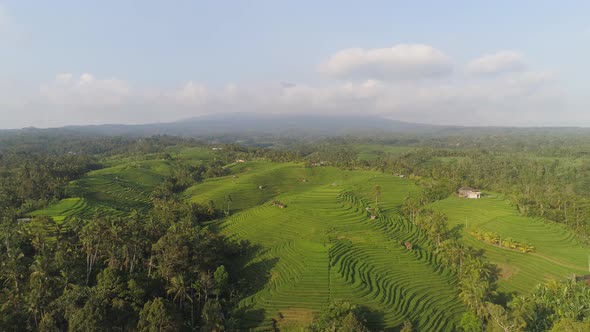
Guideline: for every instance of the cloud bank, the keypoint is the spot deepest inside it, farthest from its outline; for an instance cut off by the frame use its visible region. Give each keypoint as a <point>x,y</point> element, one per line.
<point>404,82</point>
<point>400,62</point>
<point>494,64</point>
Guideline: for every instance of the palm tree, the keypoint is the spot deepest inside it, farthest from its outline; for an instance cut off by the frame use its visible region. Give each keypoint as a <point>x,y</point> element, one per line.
<point>454,253</point>
<point>377,193</point>
<point>411,208</point>
<point>228,199</point>
<point>179,290</point>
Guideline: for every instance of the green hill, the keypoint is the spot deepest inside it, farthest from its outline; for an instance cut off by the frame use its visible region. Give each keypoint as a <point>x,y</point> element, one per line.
<point>323,246</point>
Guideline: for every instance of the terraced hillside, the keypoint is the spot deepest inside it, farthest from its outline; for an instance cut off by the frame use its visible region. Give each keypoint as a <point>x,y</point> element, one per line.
<point>115,190</point>
<point>124,185</point>
<point>323,247</point>
<point>557,251</point>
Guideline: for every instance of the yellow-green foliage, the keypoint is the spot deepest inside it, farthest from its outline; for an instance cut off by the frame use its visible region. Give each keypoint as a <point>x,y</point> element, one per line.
<point>496,239</point>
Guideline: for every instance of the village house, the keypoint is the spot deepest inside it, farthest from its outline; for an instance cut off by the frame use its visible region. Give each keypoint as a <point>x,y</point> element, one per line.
<point>469,192</point>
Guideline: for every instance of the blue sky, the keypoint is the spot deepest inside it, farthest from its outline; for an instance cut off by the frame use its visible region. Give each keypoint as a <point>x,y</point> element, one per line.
<point>82,62</point>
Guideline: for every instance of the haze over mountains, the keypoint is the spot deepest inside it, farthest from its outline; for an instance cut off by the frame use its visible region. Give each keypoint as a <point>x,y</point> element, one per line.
<point>281,125</point>
<point>310,126</point>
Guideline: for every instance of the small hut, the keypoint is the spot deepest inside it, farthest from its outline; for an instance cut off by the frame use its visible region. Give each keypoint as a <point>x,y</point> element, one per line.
<point>408,245</point>
<point>279,204</point>
<point>468,192</point>
<point>373,217</point>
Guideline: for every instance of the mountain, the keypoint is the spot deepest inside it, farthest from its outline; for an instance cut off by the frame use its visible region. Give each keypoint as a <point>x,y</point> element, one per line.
<point>274,125</point>
<point>243,127</point>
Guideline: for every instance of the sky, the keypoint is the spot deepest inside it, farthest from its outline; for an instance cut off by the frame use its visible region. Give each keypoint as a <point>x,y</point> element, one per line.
<point>509,63</point>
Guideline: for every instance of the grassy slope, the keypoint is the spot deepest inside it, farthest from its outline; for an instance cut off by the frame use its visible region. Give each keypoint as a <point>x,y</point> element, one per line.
<point>323,246</point>
<point>557,254</point>
<point>125,184</point>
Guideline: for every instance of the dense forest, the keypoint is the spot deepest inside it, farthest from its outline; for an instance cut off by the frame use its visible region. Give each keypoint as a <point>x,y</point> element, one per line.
<point>166,269</point>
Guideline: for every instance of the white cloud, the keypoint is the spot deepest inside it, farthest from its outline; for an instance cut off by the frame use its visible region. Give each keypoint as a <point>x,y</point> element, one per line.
<point>526,98</point>
<point>498,63</point>
<point>400,62</point>
<point>522,97</point>
<point>87,91</point>
<point>191,93</point>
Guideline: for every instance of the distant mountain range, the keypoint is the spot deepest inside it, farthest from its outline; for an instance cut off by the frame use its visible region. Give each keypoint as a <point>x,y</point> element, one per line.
<point>242,125</point>
<point>247,124</point>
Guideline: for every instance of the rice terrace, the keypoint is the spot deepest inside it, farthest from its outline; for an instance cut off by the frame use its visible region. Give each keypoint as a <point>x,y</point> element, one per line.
<point>294,166</point>
<point>328,235</point>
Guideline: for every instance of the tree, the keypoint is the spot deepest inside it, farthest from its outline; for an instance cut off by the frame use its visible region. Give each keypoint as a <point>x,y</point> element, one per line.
<point>470,322</point>
<point>48,324</point>
<point>221,278</point>
<point>227,200</point>
<point>476,285</point>
<point>377,193</point>
<point>212,316</point>
<point>334,317</point>
<point>453,253</point>
<point>40,287</point>
<point>411,208</point>
<point>179,290</point>
<point>155,317</point>
<point>570,325</point>
<point>553,301</point>
<point>435,224</point>
<point>91,317</point>
<point>407,326</point>
<point>91,237</point>
<point>503,319</point>
<point>352,323</point>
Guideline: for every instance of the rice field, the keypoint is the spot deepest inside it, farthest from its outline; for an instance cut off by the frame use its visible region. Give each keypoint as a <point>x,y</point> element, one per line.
<point>323,246</point>
<point>114,190</point>
<point>557,253</point>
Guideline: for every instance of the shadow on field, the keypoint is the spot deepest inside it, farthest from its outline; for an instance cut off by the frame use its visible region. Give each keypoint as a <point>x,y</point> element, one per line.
<point>503,297</point>
<point>257,274</point>
<point>455,232</point>
<point>254,272</point>
<point>249,317</point>
<point>374,318</point>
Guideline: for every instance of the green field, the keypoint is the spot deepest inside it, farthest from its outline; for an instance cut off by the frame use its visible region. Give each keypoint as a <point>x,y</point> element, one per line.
<point>115,190</point>
<point>324,247</point>
<point>557,251</point>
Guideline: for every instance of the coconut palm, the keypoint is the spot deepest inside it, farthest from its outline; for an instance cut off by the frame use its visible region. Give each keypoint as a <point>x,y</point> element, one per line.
<point>179,290</point>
